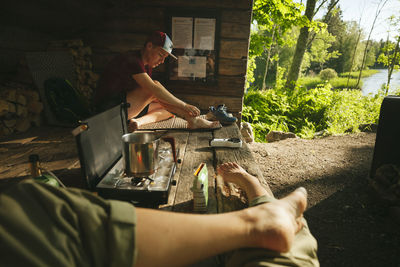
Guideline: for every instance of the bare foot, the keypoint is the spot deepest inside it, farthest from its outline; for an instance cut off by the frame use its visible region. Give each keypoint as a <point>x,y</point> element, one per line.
<point>274,225</point>
<point>210,116</point>
<point>133,125</point>
<point>200,123</point>
<point>231,172</point>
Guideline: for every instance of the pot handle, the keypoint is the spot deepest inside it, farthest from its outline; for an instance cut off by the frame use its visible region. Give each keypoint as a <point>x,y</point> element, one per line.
<point>171,141</point>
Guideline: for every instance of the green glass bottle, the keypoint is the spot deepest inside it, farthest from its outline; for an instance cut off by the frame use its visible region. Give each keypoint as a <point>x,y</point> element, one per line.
<point>37,174</point>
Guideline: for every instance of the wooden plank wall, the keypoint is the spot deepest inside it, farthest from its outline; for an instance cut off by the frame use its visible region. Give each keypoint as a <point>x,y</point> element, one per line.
<point>113,26</point>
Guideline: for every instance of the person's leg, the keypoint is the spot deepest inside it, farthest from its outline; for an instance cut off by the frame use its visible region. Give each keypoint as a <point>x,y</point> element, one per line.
<point>181,239</point>
<point>140,98</point>
<point>193,122</point>
<point>155,113</point>
<point>200,123</point>
<point>304,247</point>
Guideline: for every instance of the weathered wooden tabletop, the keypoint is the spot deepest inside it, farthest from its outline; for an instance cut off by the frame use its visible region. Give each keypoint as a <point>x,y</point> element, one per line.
<point>57,150</point>
<point>194,149</point>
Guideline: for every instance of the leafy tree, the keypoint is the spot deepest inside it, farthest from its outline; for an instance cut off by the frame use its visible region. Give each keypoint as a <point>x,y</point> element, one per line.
<point>390,55</point>
<point>336,27</point>
<point>379,8</point>
<point>351,50</point>
<point>301,45</point>
<point>272,19</point>
<point>319,51</point>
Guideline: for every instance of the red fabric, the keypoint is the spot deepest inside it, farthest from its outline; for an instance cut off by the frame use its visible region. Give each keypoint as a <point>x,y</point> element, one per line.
<point>157,38</point>
<point>117,78</point>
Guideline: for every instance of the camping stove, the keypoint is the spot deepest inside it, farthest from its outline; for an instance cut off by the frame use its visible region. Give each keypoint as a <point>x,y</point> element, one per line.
<point>99,142</point>
<point>142,191</point>
<point>159,181</point>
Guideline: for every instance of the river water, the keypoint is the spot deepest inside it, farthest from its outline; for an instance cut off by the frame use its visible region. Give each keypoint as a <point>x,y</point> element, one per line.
<point>373,83</point>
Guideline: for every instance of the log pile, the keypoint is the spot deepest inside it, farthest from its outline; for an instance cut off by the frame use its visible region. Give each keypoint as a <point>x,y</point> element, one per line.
<point>20,108</point>
<point>86,78</point>
<point>20,104</point>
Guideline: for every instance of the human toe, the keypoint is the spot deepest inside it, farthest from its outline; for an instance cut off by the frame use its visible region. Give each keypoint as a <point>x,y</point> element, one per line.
<point>297,201</point>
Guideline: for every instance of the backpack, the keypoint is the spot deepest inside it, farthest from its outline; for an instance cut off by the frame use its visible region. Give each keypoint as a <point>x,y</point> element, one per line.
<point>66,103</point>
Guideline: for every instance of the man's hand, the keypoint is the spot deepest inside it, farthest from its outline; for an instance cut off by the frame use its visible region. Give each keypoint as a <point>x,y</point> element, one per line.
<point>192,110</point>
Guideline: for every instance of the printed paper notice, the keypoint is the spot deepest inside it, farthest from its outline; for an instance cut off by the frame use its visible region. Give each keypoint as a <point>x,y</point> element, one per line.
<point>204,33</point>
<point>182,33</point>
<point>194,67</point>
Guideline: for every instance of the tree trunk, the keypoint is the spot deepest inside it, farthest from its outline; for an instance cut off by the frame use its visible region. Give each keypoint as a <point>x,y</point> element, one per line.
<point>391,66</point>
<point>268,58</point>
<point>378,11</point>
<point>353,57</point>
<point>300,47</point>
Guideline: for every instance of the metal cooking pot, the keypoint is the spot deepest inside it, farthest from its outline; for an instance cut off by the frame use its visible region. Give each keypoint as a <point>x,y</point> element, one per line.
<point>140,152</point>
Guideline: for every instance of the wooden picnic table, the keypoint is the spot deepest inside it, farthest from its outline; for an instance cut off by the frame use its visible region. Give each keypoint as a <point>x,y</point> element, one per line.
<point>194,149</point>
<point>58,153</point>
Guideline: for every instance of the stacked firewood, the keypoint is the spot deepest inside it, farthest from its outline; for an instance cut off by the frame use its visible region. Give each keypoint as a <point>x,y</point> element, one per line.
<point>86,78</point>
<point>20,108</point>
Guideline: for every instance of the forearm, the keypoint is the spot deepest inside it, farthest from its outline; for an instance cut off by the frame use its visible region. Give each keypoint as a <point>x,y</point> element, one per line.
<point>181,239</point>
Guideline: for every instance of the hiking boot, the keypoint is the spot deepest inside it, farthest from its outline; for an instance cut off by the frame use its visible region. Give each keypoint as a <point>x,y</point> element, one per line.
<point>221,115</point>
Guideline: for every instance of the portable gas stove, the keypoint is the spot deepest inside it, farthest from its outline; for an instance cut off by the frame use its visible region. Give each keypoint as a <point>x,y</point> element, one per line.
<point>100,153</point>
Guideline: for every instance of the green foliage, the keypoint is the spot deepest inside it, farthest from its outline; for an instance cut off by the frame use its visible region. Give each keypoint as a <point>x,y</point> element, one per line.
<point>321,51</point>
<point>271,21</point>
<point>307,111</point>
<point>251,65</point>
<point>273,17</point>
<point>328,74</point>
<point>390,57</point>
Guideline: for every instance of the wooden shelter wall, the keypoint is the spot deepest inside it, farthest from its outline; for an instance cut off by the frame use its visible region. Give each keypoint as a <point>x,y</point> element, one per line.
<point>113,26</point>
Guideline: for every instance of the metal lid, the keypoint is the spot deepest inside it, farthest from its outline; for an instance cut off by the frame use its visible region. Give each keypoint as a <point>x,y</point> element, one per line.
<point>100,145</point>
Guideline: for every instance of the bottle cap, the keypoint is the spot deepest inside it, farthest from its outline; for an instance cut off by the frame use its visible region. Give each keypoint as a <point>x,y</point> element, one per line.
<point>33,157</point>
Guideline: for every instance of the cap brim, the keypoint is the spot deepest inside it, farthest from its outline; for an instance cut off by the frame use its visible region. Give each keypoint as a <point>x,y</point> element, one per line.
<point>170,54</point>
<point>168,46</point>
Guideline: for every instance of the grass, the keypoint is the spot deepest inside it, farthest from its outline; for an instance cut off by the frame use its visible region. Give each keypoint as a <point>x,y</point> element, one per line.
<point>354,74</point>
<point>336,83</point>
<point>339,82</point>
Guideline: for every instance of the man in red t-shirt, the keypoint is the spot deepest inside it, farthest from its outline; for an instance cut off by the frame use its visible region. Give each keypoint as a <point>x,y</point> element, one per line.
<point>128,77</point>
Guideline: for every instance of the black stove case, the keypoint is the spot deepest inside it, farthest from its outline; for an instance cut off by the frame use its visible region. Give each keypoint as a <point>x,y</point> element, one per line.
<point>99,146</point>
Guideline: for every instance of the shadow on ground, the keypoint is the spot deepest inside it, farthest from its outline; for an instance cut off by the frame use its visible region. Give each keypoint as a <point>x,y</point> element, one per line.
<point>351,226</point>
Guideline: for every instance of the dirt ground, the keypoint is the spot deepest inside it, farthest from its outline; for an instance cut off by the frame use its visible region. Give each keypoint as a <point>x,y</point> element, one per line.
<point>351,227</point>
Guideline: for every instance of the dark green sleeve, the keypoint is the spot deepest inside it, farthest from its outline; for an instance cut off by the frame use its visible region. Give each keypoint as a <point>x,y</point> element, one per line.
<point>261,200</point>
<point>41,225</point>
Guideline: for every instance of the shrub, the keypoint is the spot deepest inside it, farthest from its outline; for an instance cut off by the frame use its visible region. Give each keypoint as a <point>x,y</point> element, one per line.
<point>327,74</point>
<point>306,111</point>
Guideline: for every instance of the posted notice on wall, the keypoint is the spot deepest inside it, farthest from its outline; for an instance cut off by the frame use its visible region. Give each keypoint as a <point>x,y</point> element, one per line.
<point>204,33</point>
<point>192,66</point>
<point>182,32</point>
